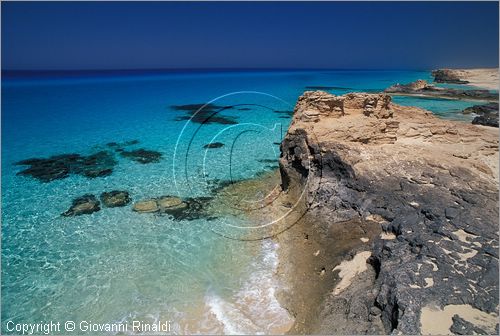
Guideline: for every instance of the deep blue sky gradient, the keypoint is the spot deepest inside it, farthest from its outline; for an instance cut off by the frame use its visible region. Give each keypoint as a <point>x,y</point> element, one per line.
<point>132,35</point>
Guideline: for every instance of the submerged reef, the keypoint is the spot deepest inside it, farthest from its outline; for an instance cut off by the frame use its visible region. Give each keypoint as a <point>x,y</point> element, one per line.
<point>142,155</point>
<point>400,223</point>
<point>61,166</point>
<point>205,114</point>
<point>99,164</point>
<point>179,209</point>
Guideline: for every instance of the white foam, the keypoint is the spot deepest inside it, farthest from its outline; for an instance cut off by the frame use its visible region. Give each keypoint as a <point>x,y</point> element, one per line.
<point>254,309</point>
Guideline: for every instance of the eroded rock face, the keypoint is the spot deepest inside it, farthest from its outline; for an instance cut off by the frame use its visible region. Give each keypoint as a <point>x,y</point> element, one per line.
<point>83,205</point>
<point>115,198</point>
<point>430,186</point>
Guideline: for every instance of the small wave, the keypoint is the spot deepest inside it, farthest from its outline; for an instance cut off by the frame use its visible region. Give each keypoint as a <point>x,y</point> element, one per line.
<point>254,309</point>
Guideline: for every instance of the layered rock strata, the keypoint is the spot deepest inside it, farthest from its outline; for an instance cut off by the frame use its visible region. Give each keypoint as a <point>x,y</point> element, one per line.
<point>400,219</point>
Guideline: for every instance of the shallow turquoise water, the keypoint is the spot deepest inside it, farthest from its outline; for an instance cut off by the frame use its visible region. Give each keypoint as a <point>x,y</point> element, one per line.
<point>117,265</point>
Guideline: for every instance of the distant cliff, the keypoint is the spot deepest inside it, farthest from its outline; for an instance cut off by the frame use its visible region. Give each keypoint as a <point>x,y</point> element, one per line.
<point>400,232</point>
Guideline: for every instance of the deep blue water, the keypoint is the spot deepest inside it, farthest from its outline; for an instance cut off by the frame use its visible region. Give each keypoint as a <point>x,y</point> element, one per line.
<point>115,264</point>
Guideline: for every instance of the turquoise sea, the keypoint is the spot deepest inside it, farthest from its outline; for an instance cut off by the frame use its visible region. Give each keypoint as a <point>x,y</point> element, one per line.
<point>116,265</point>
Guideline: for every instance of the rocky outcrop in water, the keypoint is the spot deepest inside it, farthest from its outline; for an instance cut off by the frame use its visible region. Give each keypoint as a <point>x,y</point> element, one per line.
<point>487,114</point>
<point>115,198</point>
<point>448,76</point>
<point>83,205</point>
<point>424,89</point>
<point>400,219</point>
<point>179,209</point>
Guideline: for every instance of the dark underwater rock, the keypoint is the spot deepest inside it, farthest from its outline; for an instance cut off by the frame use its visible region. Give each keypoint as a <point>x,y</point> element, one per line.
<point>142,155</point>
<point>205,114</point>
<point>115,198</point>
<point>61,166</point>
<point>214,145</point>
<point>83,205</point>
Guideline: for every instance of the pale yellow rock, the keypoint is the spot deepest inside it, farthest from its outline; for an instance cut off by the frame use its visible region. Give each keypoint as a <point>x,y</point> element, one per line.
<point>146,206</point>
<point>168,201</point>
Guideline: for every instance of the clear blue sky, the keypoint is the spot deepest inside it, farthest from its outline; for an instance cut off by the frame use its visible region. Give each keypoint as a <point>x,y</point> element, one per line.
<point>131,35</point>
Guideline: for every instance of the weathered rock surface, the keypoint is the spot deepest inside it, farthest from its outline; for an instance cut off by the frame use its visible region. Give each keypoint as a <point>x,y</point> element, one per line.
<point>414,194</point>
<point>422,88</point>
<point>83,205</point>
<point>447,76</point>
<point>115,198</point>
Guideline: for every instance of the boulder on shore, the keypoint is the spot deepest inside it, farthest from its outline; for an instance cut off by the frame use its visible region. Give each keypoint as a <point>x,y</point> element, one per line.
<point>487,114</point>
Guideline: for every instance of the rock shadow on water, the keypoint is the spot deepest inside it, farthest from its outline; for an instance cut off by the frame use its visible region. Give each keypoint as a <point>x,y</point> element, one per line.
<point>61,166</point>
<point>205,114</point>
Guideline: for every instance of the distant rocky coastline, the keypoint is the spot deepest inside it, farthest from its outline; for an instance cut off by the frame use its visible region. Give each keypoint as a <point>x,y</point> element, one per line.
<point>485,114</point>
<point>400,225</point>
<point>482,78</point>
<point>422,88</point>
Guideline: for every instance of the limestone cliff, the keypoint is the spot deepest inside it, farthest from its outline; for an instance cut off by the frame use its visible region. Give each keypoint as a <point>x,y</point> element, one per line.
<point>400,219</point>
